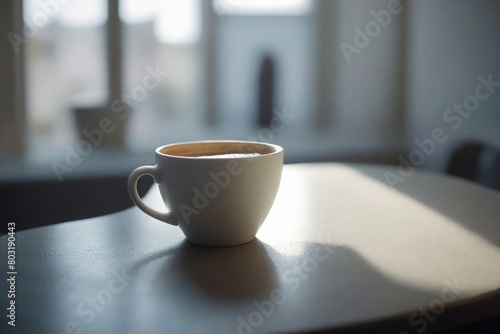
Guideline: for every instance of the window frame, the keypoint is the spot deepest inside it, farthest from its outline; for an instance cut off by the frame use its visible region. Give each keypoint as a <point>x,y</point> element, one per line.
<point>12,83</point>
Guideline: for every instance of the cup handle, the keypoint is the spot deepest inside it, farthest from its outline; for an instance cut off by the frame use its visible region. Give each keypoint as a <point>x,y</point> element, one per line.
<point>134,177</point>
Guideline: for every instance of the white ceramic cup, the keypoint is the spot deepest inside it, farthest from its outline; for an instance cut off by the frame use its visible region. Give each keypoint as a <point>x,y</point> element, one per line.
<point>217,192</point>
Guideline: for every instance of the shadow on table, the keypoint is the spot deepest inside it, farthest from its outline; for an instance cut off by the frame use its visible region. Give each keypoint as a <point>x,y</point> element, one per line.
<point>228,274</point>
<point>188,288</point>
<point>322,273</point>
<point>194,278</point>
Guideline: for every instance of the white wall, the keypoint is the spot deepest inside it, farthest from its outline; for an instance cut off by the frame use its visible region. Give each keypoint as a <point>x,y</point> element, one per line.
<point>366,86</point>
<point>451,44</point>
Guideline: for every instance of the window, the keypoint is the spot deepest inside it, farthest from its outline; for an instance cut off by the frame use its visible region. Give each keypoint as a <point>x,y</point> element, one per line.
<point>68,72</point>
<point>174,22</point>
<point>262,7</point>
<point>65,68</point>
<point>207,56</point>
<point>166,36</point>
<point>282,31</point>
<point>68,67</point>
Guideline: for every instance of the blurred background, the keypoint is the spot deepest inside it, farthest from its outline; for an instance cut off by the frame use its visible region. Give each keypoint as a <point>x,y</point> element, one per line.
<point>89,88</point>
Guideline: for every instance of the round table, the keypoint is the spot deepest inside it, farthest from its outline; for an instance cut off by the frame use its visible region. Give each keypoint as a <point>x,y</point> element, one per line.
<point>340,251</point>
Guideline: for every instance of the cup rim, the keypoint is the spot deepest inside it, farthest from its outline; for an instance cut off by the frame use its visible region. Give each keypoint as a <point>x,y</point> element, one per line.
<point>271,149</point>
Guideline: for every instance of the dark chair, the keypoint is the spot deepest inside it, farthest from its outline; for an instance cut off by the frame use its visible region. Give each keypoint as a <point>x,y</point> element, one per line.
<point>477,162</point>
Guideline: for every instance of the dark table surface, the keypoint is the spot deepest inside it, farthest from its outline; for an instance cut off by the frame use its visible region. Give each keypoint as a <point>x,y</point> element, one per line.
<point>340,251</point>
